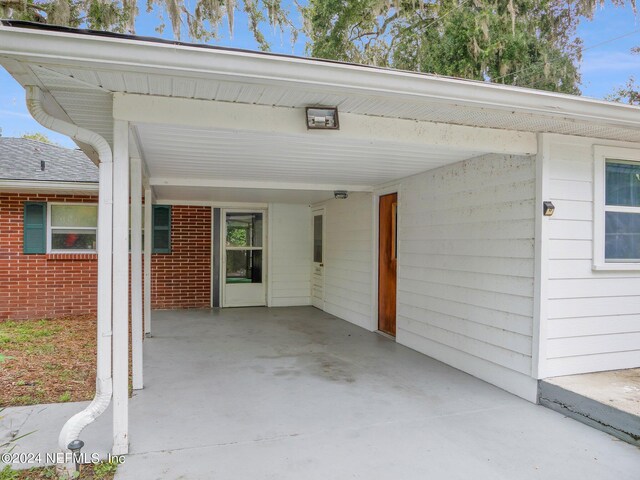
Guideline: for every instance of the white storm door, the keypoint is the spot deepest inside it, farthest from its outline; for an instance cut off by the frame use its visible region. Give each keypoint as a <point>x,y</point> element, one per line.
<point>243,258</point>
<point>317,272</point>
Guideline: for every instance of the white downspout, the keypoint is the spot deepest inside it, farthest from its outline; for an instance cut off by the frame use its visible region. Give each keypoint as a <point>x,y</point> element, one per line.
<point>72,428</point>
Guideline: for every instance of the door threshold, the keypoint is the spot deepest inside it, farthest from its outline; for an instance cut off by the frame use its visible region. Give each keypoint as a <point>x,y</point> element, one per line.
<point>385,334</point>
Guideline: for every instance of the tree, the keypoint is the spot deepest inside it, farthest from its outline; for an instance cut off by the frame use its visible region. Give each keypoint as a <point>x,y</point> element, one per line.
<point>521,42</point>
<point>39,137</point>
<point>629,92</point>
<point>201,20</point>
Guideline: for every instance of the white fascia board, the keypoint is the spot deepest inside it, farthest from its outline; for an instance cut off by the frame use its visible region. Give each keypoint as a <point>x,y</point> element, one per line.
<point>28,186</point>
<point>142,56</point>
<point>150,109</point>
<point>250,184</point>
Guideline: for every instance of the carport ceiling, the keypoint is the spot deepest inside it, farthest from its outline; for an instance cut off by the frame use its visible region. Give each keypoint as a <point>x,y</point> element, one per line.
<point>187,156</point>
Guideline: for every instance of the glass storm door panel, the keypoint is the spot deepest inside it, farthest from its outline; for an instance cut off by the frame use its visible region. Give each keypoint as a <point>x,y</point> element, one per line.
<point>243,271</point>
<point>317,272</point>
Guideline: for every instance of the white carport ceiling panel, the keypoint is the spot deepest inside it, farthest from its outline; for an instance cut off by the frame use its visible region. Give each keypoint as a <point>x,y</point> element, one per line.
<point>296,96</point>
<point>183,152</point>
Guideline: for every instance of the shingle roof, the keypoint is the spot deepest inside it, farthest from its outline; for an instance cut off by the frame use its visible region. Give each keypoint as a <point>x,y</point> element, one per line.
<point>20,159</point>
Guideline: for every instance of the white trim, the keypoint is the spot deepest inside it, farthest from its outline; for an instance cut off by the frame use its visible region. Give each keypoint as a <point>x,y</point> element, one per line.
<point>50,229</point>
<point>250,185</point>
<point>541,262</point>
<point>199,203</point>
<point>120,288</point>
<point>148,228</point>
<point>44,186</point>
<point>379,192</point>
<point>229,116</point>
<point>211,248</point>
<point>269,276</point>
<point>601,154</point>
<point>137,323</point>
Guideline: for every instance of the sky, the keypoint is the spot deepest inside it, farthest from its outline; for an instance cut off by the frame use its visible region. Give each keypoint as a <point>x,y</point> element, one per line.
<point>607,59</point>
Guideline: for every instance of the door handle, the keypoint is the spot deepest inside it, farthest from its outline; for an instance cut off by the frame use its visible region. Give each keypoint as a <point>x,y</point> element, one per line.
<point>322,264</point>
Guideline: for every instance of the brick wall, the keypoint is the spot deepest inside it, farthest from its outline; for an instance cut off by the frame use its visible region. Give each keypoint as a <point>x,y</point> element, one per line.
<point>33,286</point>
<point>182,279</point>
<point>53,285</point>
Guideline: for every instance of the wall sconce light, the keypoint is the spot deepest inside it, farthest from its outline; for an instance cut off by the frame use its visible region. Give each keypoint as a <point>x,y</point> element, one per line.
<point>548,208</point>
<point>322,118</point>
<point>341,194</point>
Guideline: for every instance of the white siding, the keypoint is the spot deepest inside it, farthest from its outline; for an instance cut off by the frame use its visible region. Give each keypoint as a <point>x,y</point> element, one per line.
<point>347,258</point>
<point>466,266</point>
<point>593,319</point>
<point>290,243</point>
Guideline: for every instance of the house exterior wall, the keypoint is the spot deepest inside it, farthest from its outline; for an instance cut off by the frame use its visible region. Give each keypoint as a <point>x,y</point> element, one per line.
<point>592,320</point>
<point>466,268</point>
<point>53,285</point>
<point>49,285</point>
<point>289,271</point>
<point>182,278</point>
<point>347,262</point>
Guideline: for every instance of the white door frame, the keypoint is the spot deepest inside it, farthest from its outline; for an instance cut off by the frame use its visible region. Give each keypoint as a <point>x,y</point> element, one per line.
<point>314,212</point>
<point>223,252</point>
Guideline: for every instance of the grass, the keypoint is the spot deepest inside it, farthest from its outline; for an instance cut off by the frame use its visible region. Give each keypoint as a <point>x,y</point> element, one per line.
<point>91,471</point>
<point>47,360</point>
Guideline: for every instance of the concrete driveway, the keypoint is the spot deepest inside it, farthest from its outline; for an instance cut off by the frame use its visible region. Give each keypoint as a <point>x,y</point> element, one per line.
<point>295,393</point>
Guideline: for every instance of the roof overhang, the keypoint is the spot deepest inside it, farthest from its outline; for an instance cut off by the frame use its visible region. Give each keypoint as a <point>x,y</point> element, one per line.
<point>30,186</point>
<point>400,122</point>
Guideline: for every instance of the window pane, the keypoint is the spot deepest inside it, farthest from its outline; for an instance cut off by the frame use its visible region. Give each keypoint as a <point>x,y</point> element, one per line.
<point>73,240</point>
<point>161,240</point>
<point>317,239</point>
<point>74,215</point>
<point>244,266</point>
<point>622,239</point>
<point>623,184</point>
<point>244,229</point>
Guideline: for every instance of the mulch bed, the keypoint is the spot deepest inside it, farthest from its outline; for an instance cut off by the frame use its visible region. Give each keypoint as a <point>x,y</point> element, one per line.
<point>47,361</point>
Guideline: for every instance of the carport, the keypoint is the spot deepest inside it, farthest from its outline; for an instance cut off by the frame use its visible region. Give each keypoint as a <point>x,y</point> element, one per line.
<point>293,393</point>
<point>180,124</point>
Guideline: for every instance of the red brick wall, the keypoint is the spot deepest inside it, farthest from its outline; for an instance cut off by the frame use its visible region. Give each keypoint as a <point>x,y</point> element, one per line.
<point>54,285</point>
<point>182,279</point>
<point>33,286</point>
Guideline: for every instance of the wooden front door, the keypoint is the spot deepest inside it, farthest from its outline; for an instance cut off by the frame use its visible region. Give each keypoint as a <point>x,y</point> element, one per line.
<point>387,263</point>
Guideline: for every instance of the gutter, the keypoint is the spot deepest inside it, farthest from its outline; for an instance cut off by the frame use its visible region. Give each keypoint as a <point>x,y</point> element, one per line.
<point>126,52</point>
<point>74,426</point>
<point>53,186</point>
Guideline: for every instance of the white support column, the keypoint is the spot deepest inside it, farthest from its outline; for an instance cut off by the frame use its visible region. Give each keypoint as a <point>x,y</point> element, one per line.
<point>137,329</point>
<point>120,287</point>
<point>148,235</point>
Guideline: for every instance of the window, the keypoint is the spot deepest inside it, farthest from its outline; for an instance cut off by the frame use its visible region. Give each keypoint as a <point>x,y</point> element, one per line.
<point>616,209</point>
<point>72,227</point>
<point>161,221</point>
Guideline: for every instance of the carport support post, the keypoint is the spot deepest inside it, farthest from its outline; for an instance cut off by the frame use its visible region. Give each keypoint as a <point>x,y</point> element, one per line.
<point>137,330</point>
<point>120,287</point>
<point>148,212</point>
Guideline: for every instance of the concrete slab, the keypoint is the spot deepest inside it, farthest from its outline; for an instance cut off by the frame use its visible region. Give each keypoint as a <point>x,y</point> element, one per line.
<point>291,393</point>
<point>609,401</point>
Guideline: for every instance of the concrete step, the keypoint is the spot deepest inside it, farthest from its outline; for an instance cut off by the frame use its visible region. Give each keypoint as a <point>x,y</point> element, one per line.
<point>608,401</point>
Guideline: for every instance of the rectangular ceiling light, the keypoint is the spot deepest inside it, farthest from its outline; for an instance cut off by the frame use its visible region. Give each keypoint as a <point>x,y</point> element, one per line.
<point>322,118</point>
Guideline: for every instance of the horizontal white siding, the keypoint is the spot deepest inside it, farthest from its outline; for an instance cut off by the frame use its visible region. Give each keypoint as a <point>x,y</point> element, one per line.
<point>290,269</point>
<point>347,258</point>
<point>593,319</point>
<point>465,268</point>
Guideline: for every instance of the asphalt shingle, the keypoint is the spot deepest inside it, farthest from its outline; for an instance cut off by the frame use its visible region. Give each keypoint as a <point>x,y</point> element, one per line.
<point>21,159</point>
